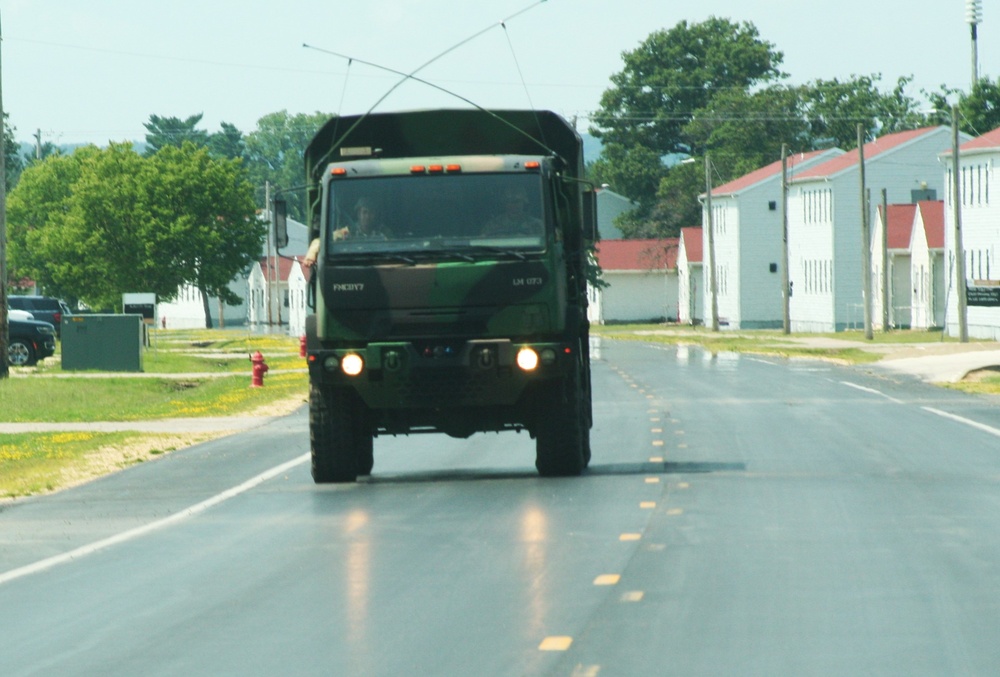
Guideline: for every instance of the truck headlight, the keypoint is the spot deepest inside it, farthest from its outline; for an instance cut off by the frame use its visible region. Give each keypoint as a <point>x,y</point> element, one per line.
<point>352,364</point>
<point>527,359</point>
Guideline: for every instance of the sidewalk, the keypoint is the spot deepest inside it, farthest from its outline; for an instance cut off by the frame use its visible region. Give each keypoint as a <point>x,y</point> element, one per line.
<point>208,424</point>
<point>938,362</point>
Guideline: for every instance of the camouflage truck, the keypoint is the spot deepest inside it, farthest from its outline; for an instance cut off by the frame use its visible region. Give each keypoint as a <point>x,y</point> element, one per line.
<point>438,304</point>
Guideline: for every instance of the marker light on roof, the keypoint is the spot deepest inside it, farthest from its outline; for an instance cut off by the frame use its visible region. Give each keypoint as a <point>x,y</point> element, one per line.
<point>338,171</point>
<point>417,169</point>
<point>532,164</point>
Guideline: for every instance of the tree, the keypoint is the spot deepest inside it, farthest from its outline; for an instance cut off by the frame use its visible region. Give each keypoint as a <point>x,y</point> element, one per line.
<point>102,222</point>
<point>978,110</point>
<point>676,72</point>
<point>630,171</point>
<point>275,153</point>
<point>836,108</point>
<point>205,217</point>
<point>170,131</point>
<point>40,201</point>
<point>744,131</point>
<point>228,143</point>
<point>74,221</point>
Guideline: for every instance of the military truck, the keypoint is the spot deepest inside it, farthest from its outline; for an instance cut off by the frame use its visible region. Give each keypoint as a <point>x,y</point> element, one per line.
<point>438,304</point>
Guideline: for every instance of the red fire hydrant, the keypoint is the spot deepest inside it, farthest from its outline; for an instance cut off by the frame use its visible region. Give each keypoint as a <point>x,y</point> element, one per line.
<point>302,346</point>
<point>259,369</point>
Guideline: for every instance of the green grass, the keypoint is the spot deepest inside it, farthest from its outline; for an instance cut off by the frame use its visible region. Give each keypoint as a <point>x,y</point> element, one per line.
<point>77,399</point>
<point>767,342</point>
<point>205,373</point>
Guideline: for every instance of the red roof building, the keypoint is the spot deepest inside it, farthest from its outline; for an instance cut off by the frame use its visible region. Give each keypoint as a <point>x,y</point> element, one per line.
<point>640,278</point>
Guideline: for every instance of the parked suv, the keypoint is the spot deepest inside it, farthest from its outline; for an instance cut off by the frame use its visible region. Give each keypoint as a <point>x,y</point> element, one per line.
<point>44,308</point>
<point>29,341</point>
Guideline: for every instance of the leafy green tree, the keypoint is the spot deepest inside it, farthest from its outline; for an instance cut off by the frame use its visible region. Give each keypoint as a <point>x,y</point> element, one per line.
<point>744,131</point>
<point>227,143</point>
<point>630,171</point>
<point>205,219</point>
<point>978,110</point>
<point>38,206</point>
<point>835,109</point>
<point>73,224</point>
<point>275,152</point>
<point>676,72</point>
<point>170,131</point>
<point>101,222</point>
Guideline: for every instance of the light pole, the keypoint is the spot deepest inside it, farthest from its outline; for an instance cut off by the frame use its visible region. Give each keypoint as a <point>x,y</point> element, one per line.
<point>974,17</point>
<point>712,286</point>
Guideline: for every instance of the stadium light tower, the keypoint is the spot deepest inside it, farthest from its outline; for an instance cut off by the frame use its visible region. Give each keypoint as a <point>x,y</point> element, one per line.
<point>974,17</point>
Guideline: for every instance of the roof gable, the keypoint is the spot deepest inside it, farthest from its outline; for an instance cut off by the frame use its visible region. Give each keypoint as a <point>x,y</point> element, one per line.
<point>692,243</point>
<point>651,254</point>
<point>989,140</point>
<point>283,268</point>
<point>872,150</point>
<point>932,216</point>
<point>771,171</point>
<point>900,225</point>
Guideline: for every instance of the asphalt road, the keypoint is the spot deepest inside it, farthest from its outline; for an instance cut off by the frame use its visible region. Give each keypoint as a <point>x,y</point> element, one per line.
<point>742,516</point>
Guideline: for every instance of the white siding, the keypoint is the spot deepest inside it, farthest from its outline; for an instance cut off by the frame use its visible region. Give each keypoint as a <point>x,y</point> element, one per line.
<point>689,289</point>
<point>825,247</point>
<point>980,240</point>
<point>635,296</point>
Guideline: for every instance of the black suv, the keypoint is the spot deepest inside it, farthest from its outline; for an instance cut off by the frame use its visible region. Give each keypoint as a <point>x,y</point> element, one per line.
<point>44,308</point>
<point>29,341</point>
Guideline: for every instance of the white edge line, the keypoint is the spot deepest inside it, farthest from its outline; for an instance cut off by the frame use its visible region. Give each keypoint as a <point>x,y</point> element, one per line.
<point>91,548</point>
<point>871,390</point>
<point>969,422</point>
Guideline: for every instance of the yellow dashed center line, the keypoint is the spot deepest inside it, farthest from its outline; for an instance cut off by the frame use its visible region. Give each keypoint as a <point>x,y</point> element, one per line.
<point>647,505</point>
<point>630,537</point>
<point>555,643</point>
<point>633,596</point>
<point>607,579</point>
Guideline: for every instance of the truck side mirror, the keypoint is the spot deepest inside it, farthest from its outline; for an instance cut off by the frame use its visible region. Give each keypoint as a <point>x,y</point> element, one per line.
<point>280,215</point>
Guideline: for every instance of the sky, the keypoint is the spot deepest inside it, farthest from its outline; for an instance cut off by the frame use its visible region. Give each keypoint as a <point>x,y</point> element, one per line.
<point>94,71</point>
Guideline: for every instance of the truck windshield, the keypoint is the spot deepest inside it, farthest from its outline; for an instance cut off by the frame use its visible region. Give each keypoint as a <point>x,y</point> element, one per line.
<point>436,213</point>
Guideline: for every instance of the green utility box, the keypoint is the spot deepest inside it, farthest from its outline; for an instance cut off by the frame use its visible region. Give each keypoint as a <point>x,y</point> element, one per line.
<point>104,342</point>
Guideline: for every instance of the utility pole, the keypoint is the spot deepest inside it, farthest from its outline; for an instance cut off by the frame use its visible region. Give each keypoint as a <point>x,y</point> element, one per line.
<point>786,312</point>
<point>712,281</point>
<point>956,202</point>
<point>4,365</point>
<point>866,251</point>
<point>267,267</point>
<point>885,261</point>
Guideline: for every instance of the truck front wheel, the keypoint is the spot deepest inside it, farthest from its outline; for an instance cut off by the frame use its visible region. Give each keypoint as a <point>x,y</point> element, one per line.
<point>341,447</point>
<point>562,444</point>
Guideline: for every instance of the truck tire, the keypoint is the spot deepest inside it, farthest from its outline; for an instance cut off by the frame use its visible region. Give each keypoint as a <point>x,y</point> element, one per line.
<point>337,442</point>
<point>562,445</point>
<point>20,353</point>
<point>366,459</point>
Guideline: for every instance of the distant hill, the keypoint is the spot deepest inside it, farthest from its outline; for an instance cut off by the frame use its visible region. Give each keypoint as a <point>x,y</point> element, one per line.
<point>28,149</point>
